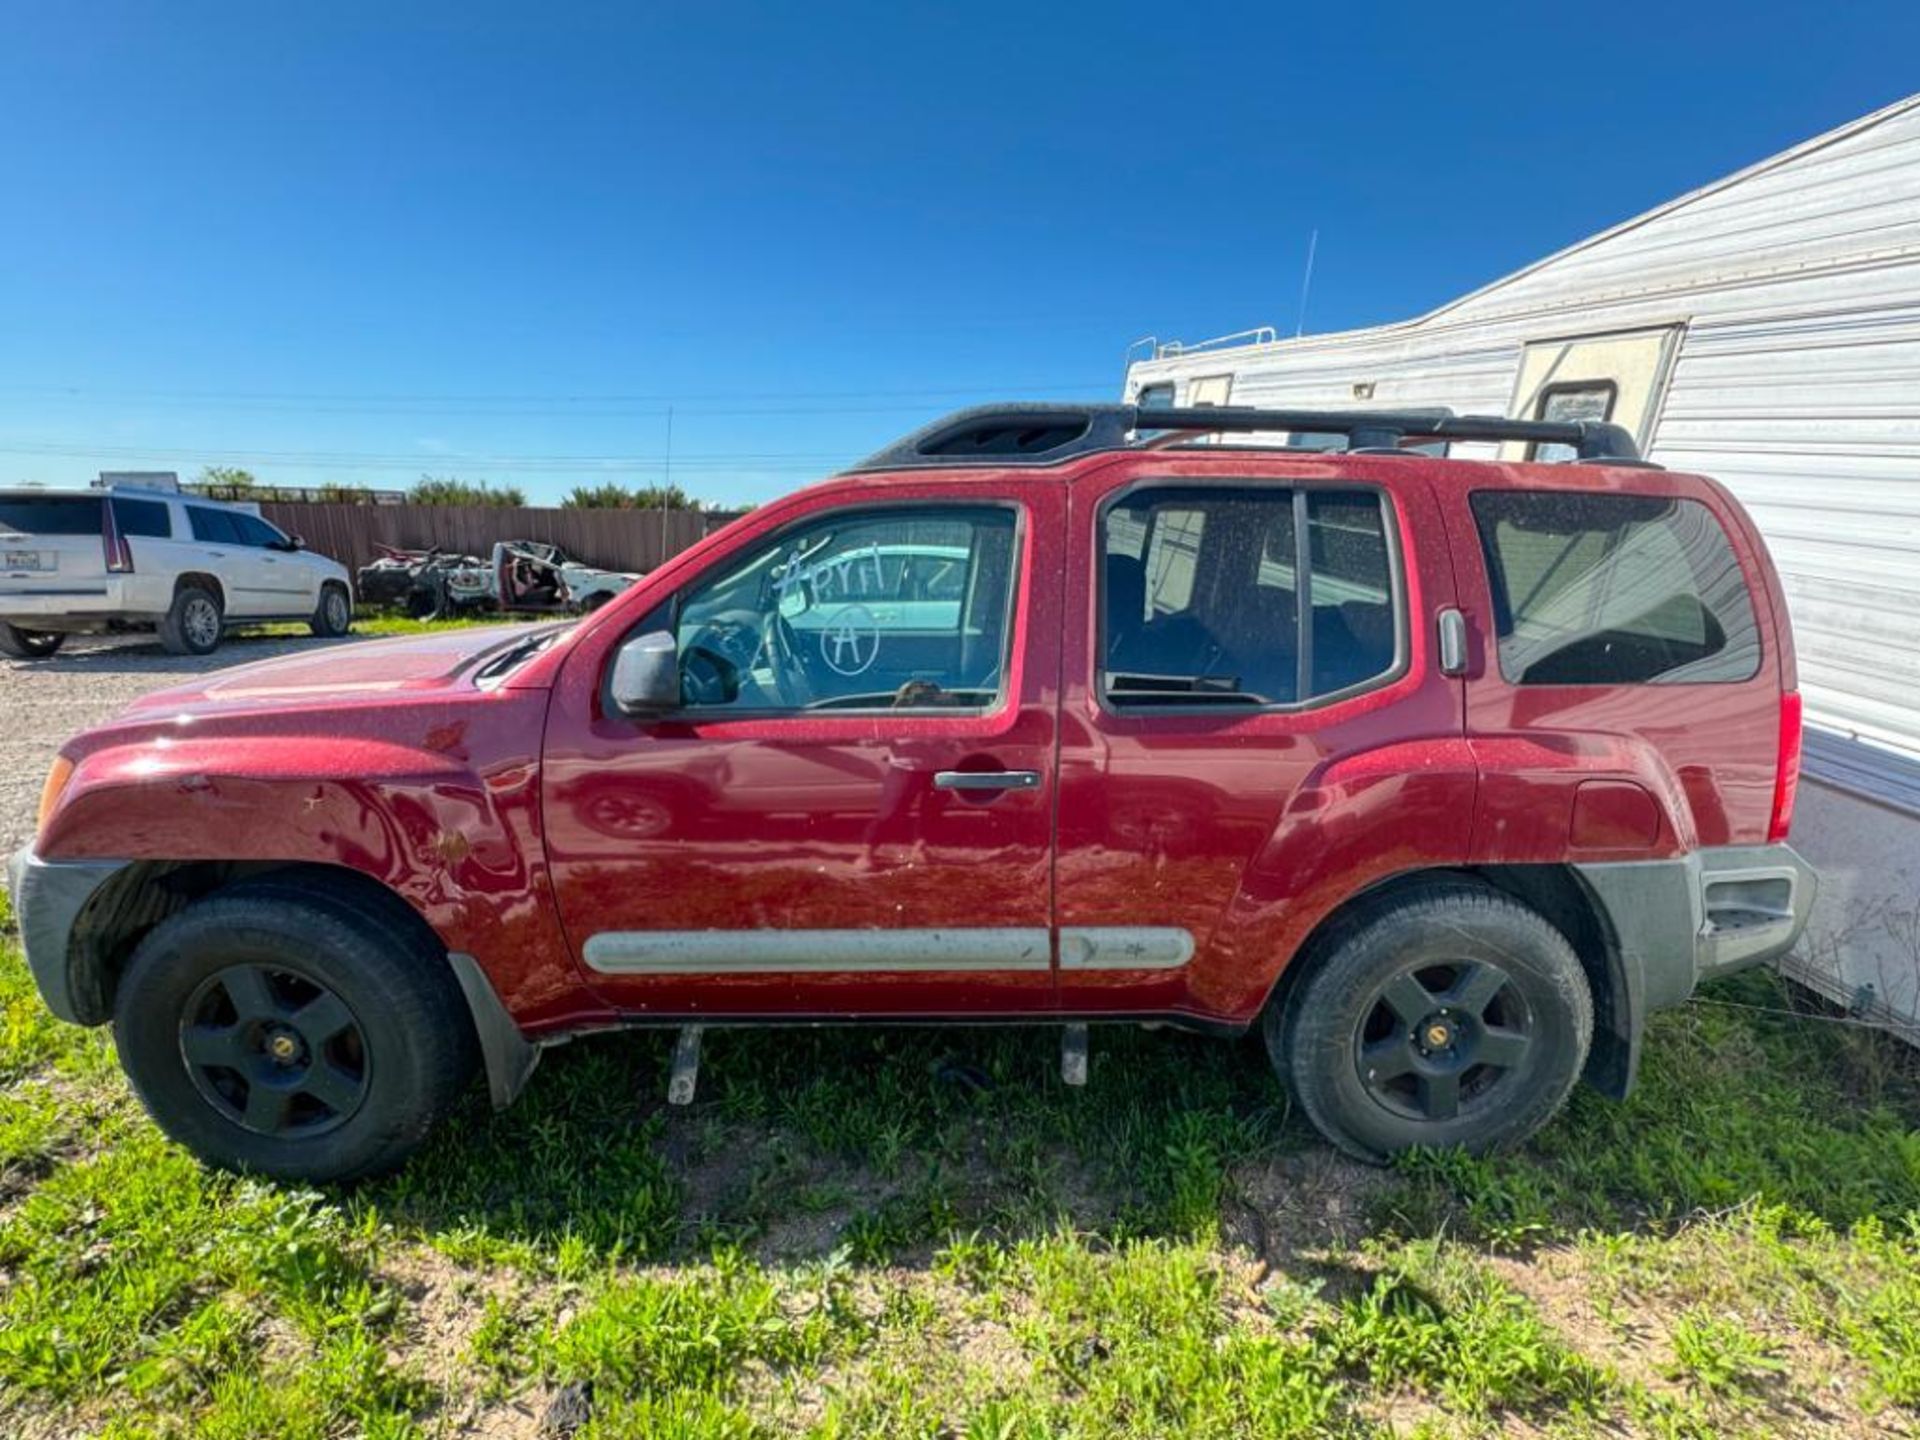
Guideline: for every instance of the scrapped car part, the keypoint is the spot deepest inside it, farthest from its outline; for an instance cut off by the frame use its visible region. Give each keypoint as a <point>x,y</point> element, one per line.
<point>1443,774</point>
<point>521,576</point>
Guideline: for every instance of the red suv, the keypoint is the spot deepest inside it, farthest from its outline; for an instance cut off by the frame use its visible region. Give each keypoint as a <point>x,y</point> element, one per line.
<point>1443,773</point>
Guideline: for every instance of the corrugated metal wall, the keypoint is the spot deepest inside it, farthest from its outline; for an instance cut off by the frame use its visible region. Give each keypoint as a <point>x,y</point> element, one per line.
<point>1815,424</point>
<point>611,539</point>
<point>1797,383</point>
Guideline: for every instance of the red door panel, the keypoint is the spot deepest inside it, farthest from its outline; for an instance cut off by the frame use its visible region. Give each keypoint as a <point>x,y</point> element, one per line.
<point>820,863</point>
<point>1244,829</point>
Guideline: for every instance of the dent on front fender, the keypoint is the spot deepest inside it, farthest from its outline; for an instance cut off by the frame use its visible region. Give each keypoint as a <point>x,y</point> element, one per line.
<point>451,823</point>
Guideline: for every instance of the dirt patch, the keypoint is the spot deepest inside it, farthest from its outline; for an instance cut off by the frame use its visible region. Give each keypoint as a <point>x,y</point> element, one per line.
<point>1631,1332</point>
<point>445,1306</point>
<point>1301,1205</point>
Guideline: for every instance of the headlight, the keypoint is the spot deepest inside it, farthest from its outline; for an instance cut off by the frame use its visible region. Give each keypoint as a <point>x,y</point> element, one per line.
<point>50,792</point>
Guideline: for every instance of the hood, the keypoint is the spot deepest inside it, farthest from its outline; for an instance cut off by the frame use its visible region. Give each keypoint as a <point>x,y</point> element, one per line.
<point>330,675</point>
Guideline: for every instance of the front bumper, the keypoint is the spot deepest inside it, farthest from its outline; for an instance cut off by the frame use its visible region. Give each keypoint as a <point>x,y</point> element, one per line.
<point>49,897</point>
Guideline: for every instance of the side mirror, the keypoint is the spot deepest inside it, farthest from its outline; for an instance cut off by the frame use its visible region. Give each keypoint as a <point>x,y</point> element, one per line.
<point>296,542</point>
<point>646,675</point>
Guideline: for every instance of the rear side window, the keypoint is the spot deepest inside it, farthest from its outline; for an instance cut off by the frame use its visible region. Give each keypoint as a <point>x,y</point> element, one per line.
<point>1244,595</point>
<point>51,514</point>
<point>148,519</point>
<point>213,526</point>
<point>1614,590</point>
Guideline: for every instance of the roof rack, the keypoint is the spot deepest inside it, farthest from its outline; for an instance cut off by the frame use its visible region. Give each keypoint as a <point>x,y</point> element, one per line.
<point>1040,434</point>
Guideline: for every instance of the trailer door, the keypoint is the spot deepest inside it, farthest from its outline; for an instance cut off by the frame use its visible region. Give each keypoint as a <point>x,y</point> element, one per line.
<point>1620,377</point>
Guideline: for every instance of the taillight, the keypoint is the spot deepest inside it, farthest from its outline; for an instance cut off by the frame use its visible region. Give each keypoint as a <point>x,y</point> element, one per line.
<point>119,553</point>
<point>1786,774</point>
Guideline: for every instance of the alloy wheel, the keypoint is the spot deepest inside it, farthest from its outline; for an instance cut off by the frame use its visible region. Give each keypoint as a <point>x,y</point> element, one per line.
<point>1439,1041</point>
<point>274,1051</point>
<point>201,621</point>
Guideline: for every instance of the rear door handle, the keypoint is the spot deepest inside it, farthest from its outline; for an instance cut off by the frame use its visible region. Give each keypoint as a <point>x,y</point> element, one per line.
<point>1453,642</point>
<point>986,779</point>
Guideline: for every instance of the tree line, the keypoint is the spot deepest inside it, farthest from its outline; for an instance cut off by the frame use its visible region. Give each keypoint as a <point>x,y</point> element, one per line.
<point>234,483</point>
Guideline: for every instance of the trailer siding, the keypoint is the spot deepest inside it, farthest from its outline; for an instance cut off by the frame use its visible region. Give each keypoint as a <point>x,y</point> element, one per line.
<point>1797,384</point>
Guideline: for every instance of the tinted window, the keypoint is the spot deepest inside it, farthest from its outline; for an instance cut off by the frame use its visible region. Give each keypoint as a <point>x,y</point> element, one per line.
<point>149,519</point>
<point>213,526</point>
<point>1202,595</point>
<point>51,515</point>
<point>1155,397</point>
<point>1614,589</point>
<point>872,609</point>
<point>252,530</point>
<point>1350,582</point>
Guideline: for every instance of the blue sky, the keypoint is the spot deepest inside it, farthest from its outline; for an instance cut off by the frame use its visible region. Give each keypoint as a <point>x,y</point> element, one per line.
<point>363,242</point>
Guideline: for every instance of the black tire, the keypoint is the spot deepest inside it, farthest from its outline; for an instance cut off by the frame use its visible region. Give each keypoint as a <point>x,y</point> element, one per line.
<point>29,644</point>
<point>427,600</point>
<point>333,616</point>
<point>186,628</point>
<point>1499,1018</point>
<point>381,1041</point>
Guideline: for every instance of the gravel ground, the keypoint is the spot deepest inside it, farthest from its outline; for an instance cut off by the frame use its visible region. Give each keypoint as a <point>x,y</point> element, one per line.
<point>42,702</point>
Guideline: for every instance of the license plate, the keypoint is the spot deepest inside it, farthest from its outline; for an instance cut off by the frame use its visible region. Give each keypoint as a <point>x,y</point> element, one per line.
<point>27,560</point>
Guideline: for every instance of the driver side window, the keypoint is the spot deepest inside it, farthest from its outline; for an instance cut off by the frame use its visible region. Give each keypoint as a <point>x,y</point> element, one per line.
<point>875,609</point>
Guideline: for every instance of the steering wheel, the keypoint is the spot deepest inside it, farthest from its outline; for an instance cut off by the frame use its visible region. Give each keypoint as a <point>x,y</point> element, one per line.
<point>708,678</point>
<point>791,679</point>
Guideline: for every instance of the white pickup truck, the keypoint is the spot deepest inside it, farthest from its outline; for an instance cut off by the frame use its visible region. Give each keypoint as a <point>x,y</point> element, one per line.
<point>122,559</point>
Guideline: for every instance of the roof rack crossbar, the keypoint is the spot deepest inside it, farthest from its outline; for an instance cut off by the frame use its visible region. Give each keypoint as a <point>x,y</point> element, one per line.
<point>1029,434</point>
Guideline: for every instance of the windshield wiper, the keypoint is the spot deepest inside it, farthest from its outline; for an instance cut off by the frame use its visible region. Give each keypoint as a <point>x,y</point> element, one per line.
<point>514,655</point>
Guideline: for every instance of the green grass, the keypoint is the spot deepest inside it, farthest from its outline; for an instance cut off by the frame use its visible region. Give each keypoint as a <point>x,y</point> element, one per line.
<point>922,1234</point>
<point>386,622</point>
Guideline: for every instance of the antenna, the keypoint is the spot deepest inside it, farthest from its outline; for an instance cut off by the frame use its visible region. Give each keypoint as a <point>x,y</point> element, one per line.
<point>666,483</point>
<point>1306,283</point>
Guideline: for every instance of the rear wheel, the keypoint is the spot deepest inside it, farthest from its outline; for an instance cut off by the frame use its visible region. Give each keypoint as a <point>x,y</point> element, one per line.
<point>194,623</point>
<point>333,616</point>
<point>282,1033</point>
<point>28,644</point>
<point>1450,1015</point>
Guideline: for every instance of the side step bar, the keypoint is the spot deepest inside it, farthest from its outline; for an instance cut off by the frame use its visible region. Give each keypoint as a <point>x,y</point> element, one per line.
<point>686,1066</point>
<point>685,1076</point>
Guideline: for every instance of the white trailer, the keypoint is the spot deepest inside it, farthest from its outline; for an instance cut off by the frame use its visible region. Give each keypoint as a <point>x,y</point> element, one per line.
<point>1765,330</point>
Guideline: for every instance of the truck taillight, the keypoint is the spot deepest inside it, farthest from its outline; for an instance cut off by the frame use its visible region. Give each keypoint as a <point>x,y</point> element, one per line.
<point>1786,774</point>
<point>119,553</point>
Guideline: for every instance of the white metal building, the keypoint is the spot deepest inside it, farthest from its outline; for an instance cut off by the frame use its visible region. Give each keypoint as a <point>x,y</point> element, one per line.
<point>1763,329</point>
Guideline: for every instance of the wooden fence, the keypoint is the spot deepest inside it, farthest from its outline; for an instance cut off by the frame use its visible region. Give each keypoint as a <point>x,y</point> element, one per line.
<point>611,539</point>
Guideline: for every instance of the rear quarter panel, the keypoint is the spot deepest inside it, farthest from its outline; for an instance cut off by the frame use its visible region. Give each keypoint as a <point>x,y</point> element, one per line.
<point>1555,759</point>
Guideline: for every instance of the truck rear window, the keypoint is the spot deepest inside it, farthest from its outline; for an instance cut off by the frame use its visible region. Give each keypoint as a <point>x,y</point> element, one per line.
<point>1614,590</point>
<point>50,514</point>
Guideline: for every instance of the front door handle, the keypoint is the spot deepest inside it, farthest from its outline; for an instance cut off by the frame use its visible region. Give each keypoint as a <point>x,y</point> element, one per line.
<point>986,779</point>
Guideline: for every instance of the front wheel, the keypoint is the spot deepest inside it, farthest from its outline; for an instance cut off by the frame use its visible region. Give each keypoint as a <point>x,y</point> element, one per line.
<point>28,644</point>
<point>289,1035</point>
<point>1450,1015</point>
<point>333,616</point>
